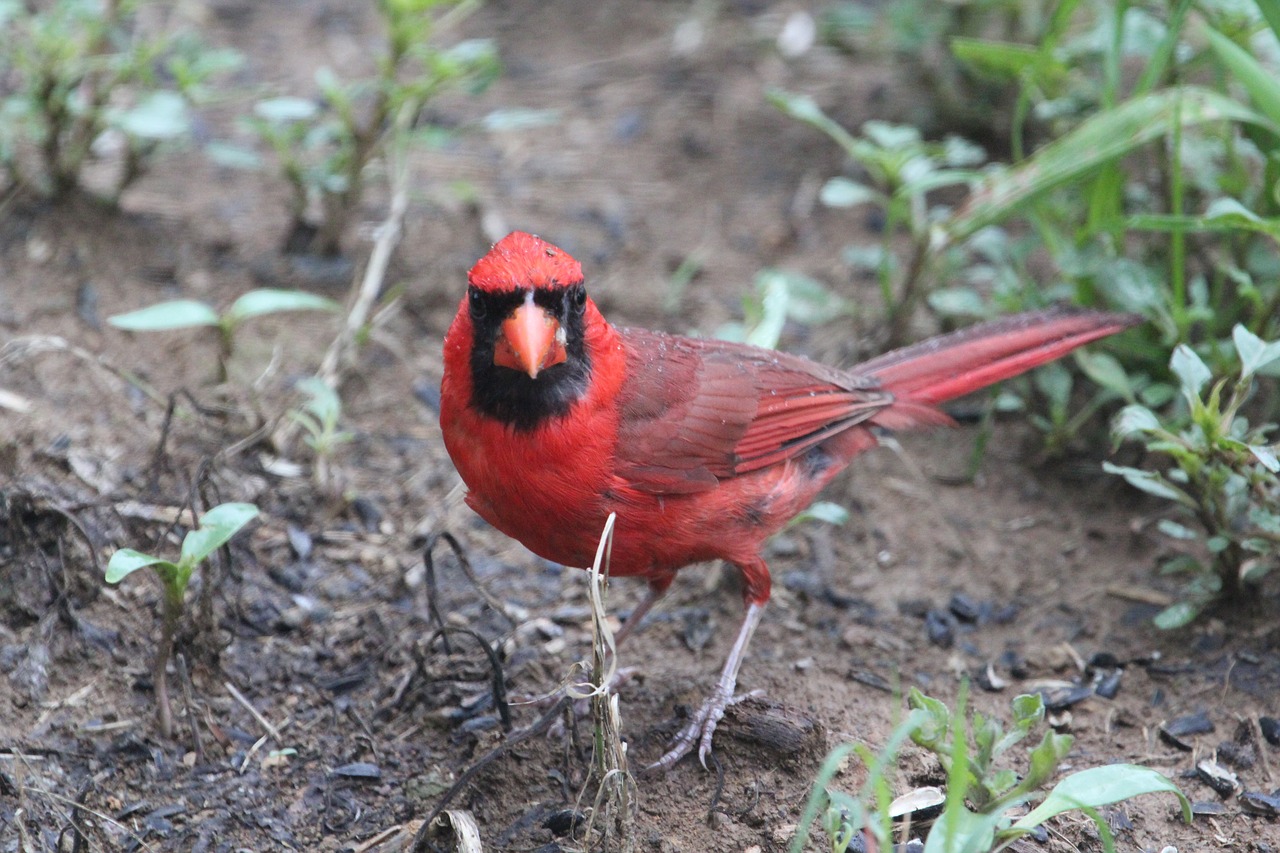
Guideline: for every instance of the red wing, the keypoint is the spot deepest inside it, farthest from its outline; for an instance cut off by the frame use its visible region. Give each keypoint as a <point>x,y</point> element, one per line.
<point>695,412</point>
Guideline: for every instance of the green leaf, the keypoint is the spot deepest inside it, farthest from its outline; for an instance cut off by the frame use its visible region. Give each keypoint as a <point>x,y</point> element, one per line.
<point>286,109</point>
<point>1134,419</point>
<point>1095,142</point>
<point>217,526</point>
<point>255,303</point>
<point>126,561</point>
<point>831,513</point>
<point>1190,369</point>
<point>1260,83</point>
<point>1101,786</point>
<point>1151,483</point>
<point>519,118</point>
<point>1007,60</point>
<point>1045,758</point>
<point>842,192</point>
<point>1174,530</point>
<point>957,302</point>
<point>1106,370</point>
<point>159,115</point>
<point>1222,214</point>
<point>1177,615</point>
<point>1271,11</point>
<point>230,156</point>
<point>805,109</point>
<point>1255,353</point>
<point>1028,710</point>
<point>1267,456</point>
<point>179,314</point>
<point>958,830</point>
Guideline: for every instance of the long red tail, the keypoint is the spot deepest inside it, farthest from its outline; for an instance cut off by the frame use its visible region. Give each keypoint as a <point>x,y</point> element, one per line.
<point>939,369</point>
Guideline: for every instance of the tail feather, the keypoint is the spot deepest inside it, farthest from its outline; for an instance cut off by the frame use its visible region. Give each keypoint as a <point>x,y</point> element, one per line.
<point>949,366</point>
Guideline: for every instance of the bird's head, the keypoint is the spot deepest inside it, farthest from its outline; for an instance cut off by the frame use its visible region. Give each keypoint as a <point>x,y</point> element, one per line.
<point>529,315</point>
<point>527,296</point>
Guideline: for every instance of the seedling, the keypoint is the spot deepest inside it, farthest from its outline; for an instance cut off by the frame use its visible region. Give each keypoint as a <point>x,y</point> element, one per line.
<point>81,79</point>
<point>217,527</point>
<point>980,799</point>
<point>319,416</point>
<point>1225,476</point>
<point>191,314</point>
<point>323,146</point>
<point>776,297</point>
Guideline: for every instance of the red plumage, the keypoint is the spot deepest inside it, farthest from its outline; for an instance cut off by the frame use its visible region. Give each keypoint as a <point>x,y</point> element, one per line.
<point>703,448</point>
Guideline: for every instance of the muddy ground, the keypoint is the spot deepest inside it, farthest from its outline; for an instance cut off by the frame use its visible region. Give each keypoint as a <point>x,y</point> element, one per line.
<point>662,148</point>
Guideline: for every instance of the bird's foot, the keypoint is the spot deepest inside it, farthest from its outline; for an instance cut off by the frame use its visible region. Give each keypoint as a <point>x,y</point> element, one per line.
<point>701,727</point>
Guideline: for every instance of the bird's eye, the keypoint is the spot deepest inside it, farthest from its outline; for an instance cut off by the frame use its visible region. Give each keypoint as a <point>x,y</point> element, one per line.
<point>477,302</point>
<point>579,297</point>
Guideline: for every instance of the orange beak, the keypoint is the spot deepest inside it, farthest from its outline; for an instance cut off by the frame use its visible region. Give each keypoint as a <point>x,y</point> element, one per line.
<point>531,340</point>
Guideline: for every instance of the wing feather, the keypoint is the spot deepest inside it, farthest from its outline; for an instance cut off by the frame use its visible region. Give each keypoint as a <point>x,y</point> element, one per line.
<point>696,412</point>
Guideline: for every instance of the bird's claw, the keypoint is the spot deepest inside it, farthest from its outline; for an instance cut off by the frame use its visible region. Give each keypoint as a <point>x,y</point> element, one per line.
<point>700,729</point>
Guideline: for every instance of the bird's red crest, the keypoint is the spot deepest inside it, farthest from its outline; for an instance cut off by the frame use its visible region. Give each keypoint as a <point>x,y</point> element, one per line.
<point>521,260</point>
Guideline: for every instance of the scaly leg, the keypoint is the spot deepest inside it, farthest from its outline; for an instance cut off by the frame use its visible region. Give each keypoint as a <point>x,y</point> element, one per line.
<point>703,725</point>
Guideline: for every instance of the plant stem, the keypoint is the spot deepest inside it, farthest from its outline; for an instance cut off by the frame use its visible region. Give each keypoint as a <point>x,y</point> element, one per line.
<point>169,626</point>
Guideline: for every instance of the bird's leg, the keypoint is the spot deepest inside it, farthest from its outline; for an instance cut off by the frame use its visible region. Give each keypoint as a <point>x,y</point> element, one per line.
<point>703,725</point>
<point>639,612</point>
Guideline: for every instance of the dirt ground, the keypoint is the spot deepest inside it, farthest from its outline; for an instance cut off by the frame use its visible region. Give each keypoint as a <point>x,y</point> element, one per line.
<point>662,148</point>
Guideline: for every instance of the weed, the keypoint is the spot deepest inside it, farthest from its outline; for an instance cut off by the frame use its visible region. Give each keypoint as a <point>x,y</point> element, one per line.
<point>323,146</point>
<point>84,78</point>
<point>319,416</point>
<point>216,528</point>
<point>979,810</point>
<point>192,314</point>
<point>1224,476</point>
<point>776,297</point>
<point>1148,194</point>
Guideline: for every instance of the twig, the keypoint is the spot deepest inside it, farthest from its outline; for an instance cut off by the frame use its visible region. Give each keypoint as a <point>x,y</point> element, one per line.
<point>1261,750</point>
<point>375,272</point>
<point>541,725</point>
<point>106,818</point>
<point>79,839</point>
<point>465,562</point>
<point>23,348</point>
<point>495,668</point>
<point>263,721</point>
<point>185,678</point>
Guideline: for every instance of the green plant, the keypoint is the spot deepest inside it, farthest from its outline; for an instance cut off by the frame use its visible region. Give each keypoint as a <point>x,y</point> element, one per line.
<point>1224,476</point>
<point>981,796</point>
<point>319,416</point>
<point>216,528</point>
<point>83,77</point>
<point>776,297</point>
<point>1145,194</point>
<point>191,314</point>
<point>324,146</point>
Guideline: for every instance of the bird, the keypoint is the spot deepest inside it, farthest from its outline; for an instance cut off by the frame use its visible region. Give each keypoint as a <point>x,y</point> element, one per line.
<point>555,418</point>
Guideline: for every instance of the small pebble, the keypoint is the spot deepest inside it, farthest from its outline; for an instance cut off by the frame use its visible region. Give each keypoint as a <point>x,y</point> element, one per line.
<point>358,770</point>
<point>1220,779</point>
<point>1258,803</point>
<point>1270,729</point>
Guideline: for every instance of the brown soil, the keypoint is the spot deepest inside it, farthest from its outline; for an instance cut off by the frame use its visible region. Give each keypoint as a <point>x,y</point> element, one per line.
<point>320,620</point>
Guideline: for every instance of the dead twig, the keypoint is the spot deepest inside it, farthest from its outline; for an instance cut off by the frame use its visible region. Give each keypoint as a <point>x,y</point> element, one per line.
<point>262,721</point>
<point>495,667</point>
<point>184,678</point>
<point>541,725</point>
<point>21,349</point>
<point>465,563</point>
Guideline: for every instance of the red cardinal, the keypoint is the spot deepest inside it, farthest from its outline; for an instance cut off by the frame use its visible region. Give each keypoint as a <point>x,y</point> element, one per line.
<point>704,449</point>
